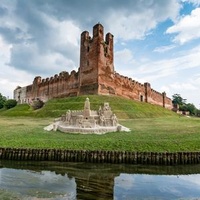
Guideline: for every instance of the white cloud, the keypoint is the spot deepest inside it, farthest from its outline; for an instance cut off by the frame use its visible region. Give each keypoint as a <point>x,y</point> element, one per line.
<point>163,49</point>
<point>165,74</point>
<point>28,59</point>
<point>11,23</point>
<point>57,52</point>
<point>177,74</point>
<point>189,89</point>
<point>187,28</point>
<point>63,32</point>
<point>185,86</point>
<point>45,35</point>
<point>42,38</point>
<point>196,80</point>
<point>195,2</point>
<point>4,51</point>
<point>124,62</point>
<point>138,22</point>
<point>192,179</point>
<point>124,57</point>
<point>190,92</point>
<point>124,27</point>
<point>165,89</point>
<point>125,181</point>
<point>187,60</point>
<point>11,78</point>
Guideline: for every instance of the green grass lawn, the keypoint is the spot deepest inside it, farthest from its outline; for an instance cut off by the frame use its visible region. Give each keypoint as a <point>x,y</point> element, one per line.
<point>160,134</point>
<point>153,128</point>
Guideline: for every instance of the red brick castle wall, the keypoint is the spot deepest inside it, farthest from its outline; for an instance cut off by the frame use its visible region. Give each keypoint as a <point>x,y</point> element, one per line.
<point>96,75</point>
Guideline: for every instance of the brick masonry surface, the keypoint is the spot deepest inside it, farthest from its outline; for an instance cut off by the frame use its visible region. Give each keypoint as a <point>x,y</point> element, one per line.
<point>96,75</point>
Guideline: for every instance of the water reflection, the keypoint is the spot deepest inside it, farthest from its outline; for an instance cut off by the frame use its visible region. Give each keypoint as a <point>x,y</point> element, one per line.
<point>45,184</point>
<point>53,180</point>
<point>152,187</point>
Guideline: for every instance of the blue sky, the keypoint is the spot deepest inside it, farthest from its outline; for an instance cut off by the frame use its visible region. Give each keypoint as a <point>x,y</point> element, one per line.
<point>129,186</point>
<point>156,41</point>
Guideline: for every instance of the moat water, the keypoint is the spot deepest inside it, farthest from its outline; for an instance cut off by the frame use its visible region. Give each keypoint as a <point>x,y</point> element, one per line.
<point>70,181</point>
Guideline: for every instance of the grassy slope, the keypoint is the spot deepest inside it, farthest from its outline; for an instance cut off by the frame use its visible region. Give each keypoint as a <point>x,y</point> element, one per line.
<point>152,127</point>
<point>147,134</point>
<point>123,108</point>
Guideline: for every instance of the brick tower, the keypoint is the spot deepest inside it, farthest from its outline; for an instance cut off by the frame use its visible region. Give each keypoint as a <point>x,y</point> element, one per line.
<point>96,59</point>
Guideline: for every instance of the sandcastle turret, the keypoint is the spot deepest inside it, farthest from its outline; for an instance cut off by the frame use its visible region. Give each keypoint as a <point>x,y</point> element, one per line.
<point>87,111</point>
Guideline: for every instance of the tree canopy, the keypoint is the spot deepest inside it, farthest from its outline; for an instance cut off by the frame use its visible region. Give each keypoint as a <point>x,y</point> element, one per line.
<point>183,106</point>
<point>7,103</point>
<point>177,99</point>
<point>2,100</point>
<point>10,103</point>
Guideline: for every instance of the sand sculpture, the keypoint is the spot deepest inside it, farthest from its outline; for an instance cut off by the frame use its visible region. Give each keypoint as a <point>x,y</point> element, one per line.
<point>88,121</point>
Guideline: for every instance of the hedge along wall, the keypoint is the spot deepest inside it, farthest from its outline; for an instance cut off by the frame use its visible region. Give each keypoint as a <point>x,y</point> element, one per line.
<point>100,156</point>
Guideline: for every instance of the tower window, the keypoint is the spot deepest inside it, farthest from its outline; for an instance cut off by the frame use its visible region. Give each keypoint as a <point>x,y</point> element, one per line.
<point>88,49</point>
<point>87,63</point>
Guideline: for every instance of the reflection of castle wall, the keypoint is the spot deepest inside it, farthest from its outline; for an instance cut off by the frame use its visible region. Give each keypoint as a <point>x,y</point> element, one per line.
<point>102,184</point>
<point>90,180</point>
<point>98,180</point>
<point>96,75</point>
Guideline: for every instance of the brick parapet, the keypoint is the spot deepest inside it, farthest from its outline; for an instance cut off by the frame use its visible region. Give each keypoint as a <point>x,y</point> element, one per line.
<point>96,75</point>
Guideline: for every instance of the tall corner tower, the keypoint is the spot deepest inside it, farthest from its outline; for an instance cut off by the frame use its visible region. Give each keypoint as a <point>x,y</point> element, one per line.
<point>96,59</point>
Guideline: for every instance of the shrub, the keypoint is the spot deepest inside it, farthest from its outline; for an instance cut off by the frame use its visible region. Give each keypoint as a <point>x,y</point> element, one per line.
<point>37,104</point>
<point>10,103</point>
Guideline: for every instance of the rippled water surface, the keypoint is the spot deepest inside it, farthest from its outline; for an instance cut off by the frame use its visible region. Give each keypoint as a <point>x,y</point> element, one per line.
<point>63,181</point>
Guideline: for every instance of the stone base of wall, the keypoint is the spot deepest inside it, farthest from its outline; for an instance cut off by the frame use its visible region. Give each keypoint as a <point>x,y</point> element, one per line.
<point>149,158</point>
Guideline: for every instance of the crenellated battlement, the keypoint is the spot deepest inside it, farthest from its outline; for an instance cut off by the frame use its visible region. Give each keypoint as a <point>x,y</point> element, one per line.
<point>127,81</point>
<point>156,92</point>
<point>96,75</point>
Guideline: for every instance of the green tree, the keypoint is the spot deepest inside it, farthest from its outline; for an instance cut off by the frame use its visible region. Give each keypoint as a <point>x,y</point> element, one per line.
<point>191,108</point>
<point>177,99</point>
<point>2,100</point>
<point>10,103</point>
<point>183,106</point>
<point>198,112</point>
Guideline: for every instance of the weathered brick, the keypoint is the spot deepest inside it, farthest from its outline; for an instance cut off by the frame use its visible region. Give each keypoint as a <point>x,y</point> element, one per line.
<point>96,75</point>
